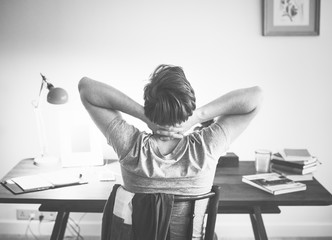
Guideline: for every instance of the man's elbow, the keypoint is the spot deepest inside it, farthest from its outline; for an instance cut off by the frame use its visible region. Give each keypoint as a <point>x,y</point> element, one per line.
<point>258,93</point>
<point>258,97</point>
<point>83,83</point>
<point>83,87</point>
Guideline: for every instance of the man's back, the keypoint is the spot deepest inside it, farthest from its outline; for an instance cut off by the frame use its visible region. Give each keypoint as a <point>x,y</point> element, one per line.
<point>188,169</point>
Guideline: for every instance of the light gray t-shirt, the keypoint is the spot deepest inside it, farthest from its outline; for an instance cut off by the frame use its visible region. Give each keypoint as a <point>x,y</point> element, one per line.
<point>188,170</point>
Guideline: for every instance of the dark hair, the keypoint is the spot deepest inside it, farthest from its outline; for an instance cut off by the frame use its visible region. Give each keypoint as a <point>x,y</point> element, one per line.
<point>169,97</point>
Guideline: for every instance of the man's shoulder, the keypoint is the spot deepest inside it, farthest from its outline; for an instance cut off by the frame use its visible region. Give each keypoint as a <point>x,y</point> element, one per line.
<point>122,135</point>
<point>119,124</point>
<point>214,136</point>
<point>215,129</point>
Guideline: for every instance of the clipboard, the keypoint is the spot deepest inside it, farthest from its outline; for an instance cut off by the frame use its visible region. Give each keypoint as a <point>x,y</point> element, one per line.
<point>11,186</point>
<point>40,182</point>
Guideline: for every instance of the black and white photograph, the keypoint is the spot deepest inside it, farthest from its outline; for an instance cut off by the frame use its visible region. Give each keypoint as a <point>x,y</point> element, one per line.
<point>165,120</point>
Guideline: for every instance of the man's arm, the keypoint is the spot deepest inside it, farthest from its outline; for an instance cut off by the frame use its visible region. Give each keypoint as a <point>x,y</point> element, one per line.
<point>104,103</point>
<point>234,110</point>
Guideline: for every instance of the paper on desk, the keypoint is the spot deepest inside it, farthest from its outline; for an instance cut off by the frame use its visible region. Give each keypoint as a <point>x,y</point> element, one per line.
<point>48,180</point>
<point>32,182</point>
<point>106,175</point>
<point>62,177</point>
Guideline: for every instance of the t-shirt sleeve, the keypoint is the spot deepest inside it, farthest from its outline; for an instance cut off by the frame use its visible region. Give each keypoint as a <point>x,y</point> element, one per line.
<point>121,136</point>
<point>216,139</point>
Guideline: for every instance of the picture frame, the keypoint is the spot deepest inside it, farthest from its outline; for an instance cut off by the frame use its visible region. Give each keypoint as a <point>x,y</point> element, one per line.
<point>291,17</point>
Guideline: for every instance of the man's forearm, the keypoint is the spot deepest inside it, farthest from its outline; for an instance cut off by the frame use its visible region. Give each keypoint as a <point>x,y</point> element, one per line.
<point>241,101</point>
<point>105,96</point>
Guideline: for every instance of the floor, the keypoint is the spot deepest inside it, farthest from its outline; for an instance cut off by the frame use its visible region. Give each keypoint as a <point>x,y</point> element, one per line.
<point>12,237</point>
<point>20,237</point>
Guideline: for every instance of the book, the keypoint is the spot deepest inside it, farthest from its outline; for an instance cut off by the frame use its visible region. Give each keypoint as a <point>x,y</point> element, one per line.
<point>294,170</point>
<point>294,176</point>
<point>278,159</point>
<point>292,154</point>
<point>273,183</point>
<point>38,182</point>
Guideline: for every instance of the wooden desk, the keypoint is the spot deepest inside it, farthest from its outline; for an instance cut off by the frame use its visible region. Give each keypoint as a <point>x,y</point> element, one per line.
<point>236,197</point>
<point>240,198</point>
<point>89,197</point>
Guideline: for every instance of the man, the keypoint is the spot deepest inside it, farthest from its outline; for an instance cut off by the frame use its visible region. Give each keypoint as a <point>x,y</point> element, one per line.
<point>168,160</point>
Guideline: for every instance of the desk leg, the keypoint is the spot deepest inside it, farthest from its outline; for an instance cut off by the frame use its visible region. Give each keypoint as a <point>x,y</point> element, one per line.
<point>258,224</point>
<point>60,225</point>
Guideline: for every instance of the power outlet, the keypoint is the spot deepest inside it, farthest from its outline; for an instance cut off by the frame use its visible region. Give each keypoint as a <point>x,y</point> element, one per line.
<point>48,216</point>
<point>27,214</point>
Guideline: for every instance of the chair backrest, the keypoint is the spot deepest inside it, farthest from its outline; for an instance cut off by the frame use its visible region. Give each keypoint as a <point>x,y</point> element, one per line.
<point>212,210</point>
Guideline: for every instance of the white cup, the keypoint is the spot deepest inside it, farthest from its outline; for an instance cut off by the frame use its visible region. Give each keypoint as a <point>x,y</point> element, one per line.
<point>262,160</point>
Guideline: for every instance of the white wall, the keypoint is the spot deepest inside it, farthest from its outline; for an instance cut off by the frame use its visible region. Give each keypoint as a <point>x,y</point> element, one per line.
<point>220,46</point>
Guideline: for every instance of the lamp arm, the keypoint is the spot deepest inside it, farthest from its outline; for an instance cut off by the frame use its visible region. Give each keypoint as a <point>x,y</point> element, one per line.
<point>35,103</point>
<point>41,130</point>
<point>55,96</point>
<point>44,80</point>
<point>40,120</point>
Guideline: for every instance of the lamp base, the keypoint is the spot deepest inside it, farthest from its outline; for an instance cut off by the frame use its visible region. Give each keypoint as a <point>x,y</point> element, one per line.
<point>45,160</point>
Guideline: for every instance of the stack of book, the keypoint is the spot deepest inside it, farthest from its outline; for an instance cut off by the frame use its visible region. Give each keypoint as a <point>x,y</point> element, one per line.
<point>295,164</point>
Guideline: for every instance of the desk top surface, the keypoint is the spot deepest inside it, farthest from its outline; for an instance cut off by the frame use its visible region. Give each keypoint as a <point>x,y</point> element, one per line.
<point>238,193</point>
<point>234,191</point>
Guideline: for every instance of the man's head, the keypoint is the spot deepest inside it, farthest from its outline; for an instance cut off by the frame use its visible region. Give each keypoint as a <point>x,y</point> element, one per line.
<point>169,97</point>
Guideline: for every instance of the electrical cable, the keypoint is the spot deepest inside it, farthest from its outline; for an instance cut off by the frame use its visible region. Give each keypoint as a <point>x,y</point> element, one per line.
<point>28,229</point>
<point>80,219</point>
<point>78,235</point>
<point>41,218</point>
<point>74,227</point>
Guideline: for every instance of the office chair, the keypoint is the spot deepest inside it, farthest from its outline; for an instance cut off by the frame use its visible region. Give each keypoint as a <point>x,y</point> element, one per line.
<point>211,211</point>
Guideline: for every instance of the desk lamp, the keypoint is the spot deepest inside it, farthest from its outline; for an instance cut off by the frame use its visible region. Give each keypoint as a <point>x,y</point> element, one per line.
<point>54,96</point>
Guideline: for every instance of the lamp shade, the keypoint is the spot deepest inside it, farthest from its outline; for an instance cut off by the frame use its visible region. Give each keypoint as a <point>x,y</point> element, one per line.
<point>57,96</point>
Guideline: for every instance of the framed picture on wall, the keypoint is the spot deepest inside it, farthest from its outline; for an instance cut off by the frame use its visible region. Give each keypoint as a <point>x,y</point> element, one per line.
<point>291,17</point>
